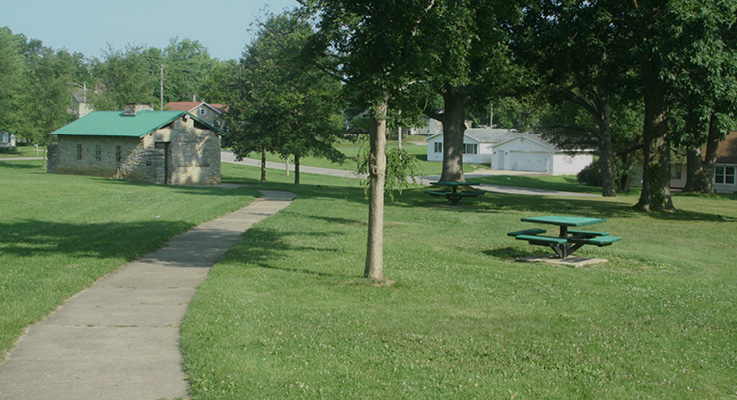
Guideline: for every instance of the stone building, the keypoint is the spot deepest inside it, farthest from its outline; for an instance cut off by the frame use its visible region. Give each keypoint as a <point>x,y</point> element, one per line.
<point>139,144</point>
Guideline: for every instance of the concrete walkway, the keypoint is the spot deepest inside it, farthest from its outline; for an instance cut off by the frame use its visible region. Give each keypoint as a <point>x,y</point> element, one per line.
<point>119,339</point>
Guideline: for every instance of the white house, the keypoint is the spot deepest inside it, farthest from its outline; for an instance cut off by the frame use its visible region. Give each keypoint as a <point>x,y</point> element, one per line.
<point>7,139</point>
<point>526,152</point>
<point>504,149</point>
<point>478,144</point>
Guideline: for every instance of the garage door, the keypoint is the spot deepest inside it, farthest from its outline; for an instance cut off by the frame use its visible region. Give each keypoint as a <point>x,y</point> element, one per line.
<point>528,161</point>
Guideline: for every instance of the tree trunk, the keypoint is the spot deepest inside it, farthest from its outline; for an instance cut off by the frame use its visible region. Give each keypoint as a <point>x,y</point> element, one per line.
<point>655,194</point>
<point>694,171</point>
<point>454,125</point>
<point>263,164</point>
<point>606,150</point>
<point>700,170</point>
<point>377,176</point>
<point>710,157</point>
<point>296,169</point>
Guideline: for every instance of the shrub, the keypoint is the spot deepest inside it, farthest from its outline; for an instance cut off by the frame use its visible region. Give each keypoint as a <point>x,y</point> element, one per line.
<point>591,175</point>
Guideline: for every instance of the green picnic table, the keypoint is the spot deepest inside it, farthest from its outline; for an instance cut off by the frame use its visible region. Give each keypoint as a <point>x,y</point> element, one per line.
<point>450,190</point>
<point>568,240</point>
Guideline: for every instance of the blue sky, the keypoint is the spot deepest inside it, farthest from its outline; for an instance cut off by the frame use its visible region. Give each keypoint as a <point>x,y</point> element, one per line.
<point>87,26</point>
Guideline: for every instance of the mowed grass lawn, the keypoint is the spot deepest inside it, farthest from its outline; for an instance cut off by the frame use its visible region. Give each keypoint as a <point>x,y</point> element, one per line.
<point>60,233</point>
<point>287,314</point>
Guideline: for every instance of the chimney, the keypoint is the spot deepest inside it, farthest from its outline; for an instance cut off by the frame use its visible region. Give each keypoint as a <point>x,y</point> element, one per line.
<point>194,98</point>
<point>131,109</point>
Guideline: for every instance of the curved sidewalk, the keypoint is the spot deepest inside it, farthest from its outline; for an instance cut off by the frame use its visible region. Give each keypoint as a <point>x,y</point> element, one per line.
<point>119,338</point>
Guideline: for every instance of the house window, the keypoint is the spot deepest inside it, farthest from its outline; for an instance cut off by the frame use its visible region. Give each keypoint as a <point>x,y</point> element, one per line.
<point>118,154</point>
<point>725,175</point>
<point>438,147</point>
<point>470,148</point>
<point>202,111</point>
<point>98,152</point>
<point>79,152</point>
<point>676,172</point>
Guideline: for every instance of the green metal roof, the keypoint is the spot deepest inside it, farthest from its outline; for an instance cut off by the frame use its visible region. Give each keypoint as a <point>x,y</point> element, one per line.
<point>114,123</point>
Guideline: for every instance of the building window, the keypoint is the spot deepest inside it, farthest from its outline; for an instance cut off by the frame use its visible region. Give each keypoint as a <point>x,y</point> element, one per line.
<point>676,172</point>
<point>203,111</point>
<point>98,152</point>
<point>118,154</point>
<point>725,175</point>
<point>79,152</point>
<point>438,147</point>
<point>470,148</point>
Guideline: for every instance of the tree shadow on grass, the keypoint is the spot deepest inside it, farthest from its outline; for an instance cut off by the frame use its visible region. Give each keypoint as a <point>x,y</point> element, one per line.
<point>511,253</point>
<point>267,248</point>
<point>20,164</point>
<point>32,237</point>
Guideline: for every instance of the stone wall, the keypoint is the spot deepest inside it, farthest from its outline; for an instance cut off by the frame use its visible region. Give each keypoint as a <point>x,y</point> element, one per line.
<point>193,155</point>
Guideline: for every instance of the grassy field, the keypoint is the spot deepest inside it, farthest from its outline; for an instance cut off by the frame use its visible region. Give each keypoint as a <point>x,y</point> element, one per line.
<point>287,315</point>
<point>21,151</point>
<point>60,233</point>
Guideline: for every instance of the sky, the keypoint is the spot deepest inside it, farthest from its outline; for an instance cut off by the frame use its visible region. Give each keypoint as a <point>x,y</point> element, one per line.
<point>89,26</point>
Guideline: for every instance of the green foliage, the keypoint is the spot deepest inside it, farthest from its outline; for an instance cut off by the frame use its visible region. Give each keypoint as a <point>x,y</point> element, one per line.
<point>281,103</point>
<point>187,64</point>
<point>46,94</point>
<point>214,85</point>
<point>402,169</point>
<point>126,76</point>
<point>11,78</point>
<point>591,175</point>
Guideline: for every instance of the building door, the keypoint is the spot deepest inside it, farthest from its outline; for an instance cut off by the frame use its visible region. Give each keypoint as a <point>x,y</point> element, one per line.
<point>166,146</point>
<point>500,157</point>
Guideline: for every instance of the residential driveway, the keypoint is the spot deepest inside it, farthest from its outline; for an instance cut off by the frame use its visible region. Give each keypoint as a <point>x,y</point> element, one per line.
<point>119,339</point>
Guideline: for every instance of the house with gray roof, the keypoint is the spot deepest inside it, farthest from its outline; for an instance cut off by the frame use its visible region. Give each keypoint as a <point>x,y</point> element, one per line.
<point>138,144</point>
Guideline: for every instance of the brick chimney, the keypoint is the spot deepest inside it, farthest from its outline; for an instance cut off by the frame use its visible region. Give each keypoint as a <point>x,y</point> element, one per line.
<point>132,108</point>
<point>194,98</point>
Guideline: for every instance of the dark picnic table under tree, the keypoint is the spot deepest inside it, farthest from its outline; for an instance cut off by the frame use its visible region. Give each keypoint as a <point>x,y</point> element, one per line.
<point>453,191</point>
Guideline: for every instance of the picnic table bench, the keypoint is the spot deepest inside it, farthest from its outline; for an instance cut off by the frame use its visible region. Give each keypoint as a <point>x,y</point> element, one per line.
<point>568,240</point>
<point>450,190</point>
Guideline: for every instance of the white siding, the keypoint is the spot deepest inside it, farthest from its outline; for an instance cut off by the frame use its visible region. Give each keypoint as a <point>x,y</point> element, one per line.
<point>564,164</point>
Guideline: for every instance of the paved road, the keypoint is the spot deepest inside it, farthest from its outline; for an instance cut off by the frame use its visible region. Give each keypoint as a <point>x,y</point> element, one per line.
<point>119,339</point>
<point>227,156</point>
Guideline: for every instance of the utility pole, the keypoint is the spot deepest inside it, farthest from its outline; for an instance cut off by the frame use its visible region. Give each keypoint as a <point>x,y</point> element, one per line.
<point>161,91</point>
<point>491,115</point>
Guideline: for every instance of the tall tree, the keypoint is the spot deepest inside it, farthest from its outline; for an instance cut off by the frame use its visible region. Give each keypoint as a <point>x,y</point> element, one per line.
<point>465,58</point>
<point>47,93</point>
<point>380,54</point>
<point>706,86</point>
<point>11,75</point>
<point>187,64</point>
<point>125,76</point>
<point>572,45</point>
<point>283,104</point>
<point>214,86</point>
